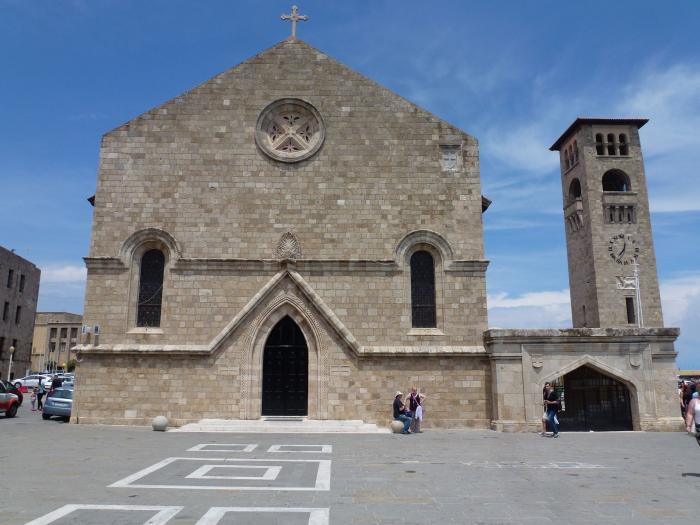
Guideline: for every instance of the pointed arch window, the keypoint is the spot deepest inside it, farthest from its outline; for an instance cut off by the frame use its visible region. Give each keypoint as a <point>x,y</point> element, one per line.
<point>423,312</point>
<point>150,289</point>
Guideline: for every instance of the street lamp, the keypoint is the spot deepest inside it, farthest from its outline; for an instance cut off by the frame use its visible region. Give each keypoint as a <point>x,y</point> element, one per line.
<point>9,368</point>
<point>63,365</point>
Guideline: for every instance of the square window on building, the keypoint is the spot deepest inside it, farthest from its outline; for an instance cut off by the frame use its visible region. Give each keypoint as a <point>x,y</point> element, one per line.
<point>64,333</point>
<point>73,333</point>
<point>52,347</point>
<point>18,314</point>
<point>52,334</point>
<point>21,283</point>
<point>5,311</point>
<point>10,277</point>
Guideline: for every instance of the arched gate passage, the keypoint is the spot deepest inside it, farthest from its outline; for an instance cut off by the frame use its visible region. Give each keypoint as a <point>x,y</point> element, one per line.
<point>285,377</point>
<point>594,401</point>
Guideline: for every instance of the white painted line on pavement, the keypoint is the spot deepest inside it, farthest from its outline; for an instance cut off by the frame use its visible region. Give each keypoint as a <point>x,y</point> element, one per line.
<point>316,516</point>
<point>162,516</point>
<point>270,473</point>
<point>233,447</point>
<point>324,449</point>
<point>323,476</point>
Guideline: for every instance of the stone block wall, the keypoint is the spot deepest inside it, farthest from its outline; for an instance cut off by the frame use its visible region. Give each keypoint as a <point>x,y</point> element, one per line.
<point>131,384</point>
<point>643,359</point>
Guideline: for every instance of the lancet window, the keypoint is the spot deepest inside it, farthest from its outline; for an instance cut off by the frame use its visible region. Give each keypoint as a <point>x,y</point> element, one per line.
<point>150,289</point>
<point>423,311</point>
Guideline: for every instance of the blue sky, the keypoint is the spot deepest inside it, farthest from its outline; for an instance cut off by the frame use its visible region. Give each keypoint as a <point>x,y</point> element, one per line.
<point>514,74</point>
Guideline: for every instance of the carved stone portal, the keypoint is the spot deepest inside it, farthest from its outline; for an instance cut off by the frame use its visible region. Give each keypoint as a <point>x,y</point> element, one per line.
<point>288,247</point>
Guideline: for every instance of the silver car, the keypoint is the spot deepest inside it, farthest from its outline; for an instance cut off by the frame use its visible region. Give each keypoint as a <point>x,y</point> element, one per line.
<point>29,381</point>
<point>59,403</point>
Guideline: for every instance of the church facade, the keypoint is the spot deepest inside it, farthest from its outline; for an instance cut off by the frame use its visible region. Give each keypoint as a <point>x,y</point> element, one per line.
<point>292,239</point>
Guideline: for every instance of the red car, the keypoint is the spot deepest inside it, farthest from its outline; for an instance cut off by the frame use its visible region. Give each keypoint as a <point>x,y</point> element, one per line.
<point>12,389</point>
<point>9,403</point>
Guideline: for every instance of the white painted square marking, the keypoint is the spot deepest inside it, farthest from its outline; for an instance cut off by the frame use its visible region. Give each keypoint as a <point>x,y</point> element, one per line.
<point>315,449</point>
<point>162,514</point>
<point>223,447</point>
<point>322,481</point>
<point>270,473</point>
<point>215,514</point>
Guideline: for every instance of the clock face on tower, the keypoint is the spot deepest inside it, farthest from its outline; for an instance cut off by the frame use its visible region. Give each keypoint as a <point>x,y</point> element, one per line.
<point>623,249</point>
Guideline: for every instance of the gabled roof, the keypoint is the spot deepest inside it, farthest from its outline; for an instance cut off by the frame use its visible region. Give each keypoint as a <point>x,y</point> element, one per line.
<point>582,121</point>
<point>295,47</point>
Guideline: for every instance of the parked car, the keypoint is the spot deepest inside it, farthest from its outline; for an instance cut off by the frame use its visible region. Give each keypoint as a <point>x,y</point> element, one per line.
<point>29,381</point>
<point>8,402</point>
<point>12,389</point>
<point>59,403</point>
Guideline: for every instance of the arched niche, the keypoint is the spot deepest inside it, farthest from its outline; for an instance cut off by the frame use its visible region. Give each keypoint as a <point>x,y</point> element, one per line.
<point>616,180</point>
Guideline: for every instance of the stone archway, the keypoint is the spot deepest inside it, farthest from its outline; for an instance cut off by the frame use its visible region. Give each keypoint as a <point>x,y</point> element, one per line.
<point>286,305</point>
<point>594,401</point>
<point>285,371</point>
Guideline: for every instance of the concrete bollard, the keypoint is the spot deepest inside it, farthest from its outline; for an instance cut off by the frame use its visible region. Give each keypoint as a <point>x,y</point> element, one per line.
<point>160,423</point>
<point>396,426</point>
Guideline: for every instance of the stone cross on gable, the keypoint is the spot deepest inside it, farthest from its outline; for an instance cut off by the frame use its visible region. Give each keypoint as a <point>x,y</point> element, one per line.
<point>294,18</point>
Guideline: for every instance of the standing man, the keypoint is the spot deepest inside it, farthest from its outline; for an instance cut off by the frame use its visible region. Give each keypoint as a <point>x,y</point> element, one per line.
<point>552,404</point>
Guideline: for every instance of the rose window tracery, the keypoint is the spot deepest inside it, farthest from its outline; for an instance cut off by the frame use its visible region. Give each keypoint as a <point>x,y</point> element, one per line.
<point>289,130</point>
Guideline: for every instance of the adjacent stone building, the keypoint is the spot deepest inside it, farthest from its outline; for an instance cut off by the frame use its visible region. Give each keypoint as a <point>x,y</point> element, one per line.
<point>19,291</point>
<point>291,239</point>
<point>55,335</point>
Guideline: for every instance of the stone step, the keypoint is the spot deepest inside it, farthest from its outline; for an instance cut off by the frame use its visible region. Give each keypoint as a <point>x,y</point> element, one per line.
<point>283,425</point>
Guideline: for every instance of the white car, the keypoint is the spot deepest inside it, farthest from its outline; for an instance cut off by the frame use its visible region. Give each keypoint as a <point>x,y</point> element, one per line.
<point>29,381</point>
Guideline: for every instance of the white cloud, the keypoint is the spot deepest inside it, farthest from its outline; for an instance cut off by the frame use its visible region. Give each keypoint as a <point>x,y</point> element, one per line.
<point>669,97</point>
<point>680,298</point>
<point>547,309</point>
<point>524,148</point>
<point>63,274</point>
<point>666,95</point>
<point>547,298</point>
<point>62,288</point>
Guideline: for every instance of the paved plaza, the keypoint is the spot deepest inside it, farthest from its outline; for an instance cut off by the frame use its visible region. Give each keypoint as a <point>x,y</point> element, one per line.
<point>58,474</point>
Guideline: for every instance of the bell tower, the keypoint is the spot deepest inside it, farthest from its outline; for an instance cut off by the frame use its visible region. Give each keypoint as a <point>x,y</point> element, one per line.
<point>612,266</point>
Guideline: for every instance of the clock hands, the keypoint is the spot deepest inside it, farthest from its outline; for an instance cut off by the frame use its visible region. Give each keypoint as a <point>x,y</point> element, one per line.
<point>624,247</point>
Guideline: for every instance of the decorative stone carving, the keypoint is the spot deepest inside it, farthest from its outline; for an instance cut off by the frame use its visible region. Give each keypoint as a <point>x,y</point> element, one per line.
<point>289,130</point>
<point>537,360</point>
<point>635,359</point>
<point>288,247</point>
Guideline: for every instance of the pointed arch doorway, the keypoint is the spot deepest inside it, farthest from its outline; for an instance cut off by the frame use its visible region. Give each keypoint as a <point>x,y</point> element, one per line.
<point>285,375</point>
<point>595,401</point>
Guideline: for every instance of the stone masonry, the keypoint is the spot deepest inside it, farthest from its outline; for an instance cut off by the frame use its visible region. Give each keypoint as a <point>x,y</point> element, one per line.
<point>316,218</point>
<point>188,177</point>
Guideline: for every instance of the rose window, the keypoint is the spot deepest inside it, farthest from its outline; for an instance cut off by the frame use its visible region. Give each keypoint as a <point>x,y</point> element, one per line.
<point>289,130</point>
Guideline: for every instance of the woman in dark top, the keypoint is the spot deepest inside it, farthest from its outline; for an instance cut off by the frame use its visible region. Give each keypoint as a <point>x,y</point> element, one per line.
<point>544,412</point>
